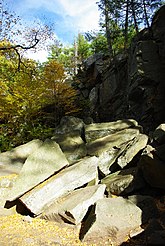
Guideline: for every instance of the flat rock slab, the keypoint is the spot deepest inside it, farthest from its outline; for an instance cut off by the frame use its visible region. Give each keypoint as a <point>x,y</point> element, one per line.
<point>103,144</point>
<point>60,184</point>
<point>73,207</point>
<point>40,165</point>
<point>17,156</point>
<point>112,219</point>
<point>72,145</point>
<point>135,145</point>
<point>123,182</point>
<point>99,130</point>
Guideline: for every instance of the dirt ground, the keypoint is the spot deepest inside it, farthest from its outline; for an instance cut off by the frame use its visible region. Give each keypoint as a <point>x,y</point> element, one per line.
<point>18,230</point>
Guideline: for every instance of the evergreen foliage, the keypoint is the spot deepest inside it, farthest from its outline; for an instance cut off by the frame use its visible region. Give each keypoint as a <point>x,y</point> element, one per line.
<point>121,17</point>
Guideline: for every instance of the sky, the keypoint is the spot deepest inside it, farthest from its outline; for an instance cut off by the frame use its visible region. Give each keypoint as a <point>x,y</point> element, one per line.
<point>68,16</point>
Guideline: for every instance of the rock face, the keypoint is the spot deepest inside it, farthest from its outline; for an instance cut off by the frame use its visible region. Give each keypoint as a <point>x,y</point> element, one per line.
<point>58,185</point>
<point>108,192</point>
<point>40,165</point>
<point>114,217</point>
<point>132,86</point>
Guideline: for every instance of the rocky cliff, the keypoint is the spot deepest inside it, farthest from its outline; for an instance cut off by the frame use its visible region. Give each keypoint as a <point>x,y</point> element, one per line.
<point>133,84</point>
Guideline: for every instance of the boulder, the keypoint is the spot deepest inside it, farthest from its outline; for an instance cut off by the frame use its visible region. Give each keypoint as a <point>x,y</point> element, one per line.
<point>70,178</point>
<point>111,220</point>
<point>69,124</point>
<point>121,155</point>
<point>106,143</point>
<point>147,205</point>
<point>123,182</point>
<point>16,157</point>
<point>133,147</point>
<point>74,206</point>
<point>99,130</point>
<point>153,168</point>
<point>40,165</point>
<point>159,134</point>
<point>107,159</point>
<point>72,145</point>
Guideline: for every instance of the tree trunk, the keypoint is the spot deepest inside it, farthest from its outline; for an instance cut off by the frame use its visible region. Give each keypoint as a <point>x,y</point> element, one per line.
<point>145,14</point>
<point>134,16</point>
<point>126,26</point>
<point>108,33</point>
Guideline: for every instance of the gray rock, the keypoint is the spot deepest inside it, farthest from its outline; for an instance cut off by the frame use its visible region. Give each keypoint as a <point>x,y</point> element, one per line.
<point>159,134</point>
<point>73,207</point>
<point>17,156</point>
<point>99,130</point>
<point>122,154</point>
<point>72,145</point>
<point>40,165</point>
<point>60,184</point>
<point>111,219</point>
<point>147,205</point>
<point>104,144</point>
<point>134,146</point>
<point>107,158</point>
<point>69,124</point>
<point>123,182</point>
<point>153,168</point>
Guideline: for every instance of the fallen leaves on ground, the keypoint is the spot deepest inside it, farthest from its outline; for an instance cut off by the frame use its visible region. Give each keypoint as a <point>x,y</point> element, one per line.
<point>22,230</point>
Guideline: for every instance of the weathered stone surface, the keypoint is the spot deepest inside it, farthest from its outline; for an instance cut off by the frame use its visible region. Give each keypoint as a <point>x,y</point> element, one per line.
<point>123,153</point>
<point>153,168</point>
<point>103,144</point>
<point>72,145</point>
<point>133,147</point>
<point>112,219</point>
<point>17,156</point>
<point>69,124</point>
<point>132,84</point>
<point>108,158</point>
<point>123,182</point>
<point>147,205</point>
<point>99,130</point>
<point>40,165</point>
<point>56,186</point>
<point>73,207</point>
<point>159,134</point>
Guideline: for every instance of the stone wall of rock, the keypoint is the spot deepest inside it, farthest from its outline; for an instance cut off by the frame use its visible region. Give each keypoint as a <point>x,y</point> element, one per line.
<point>132,86</point>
